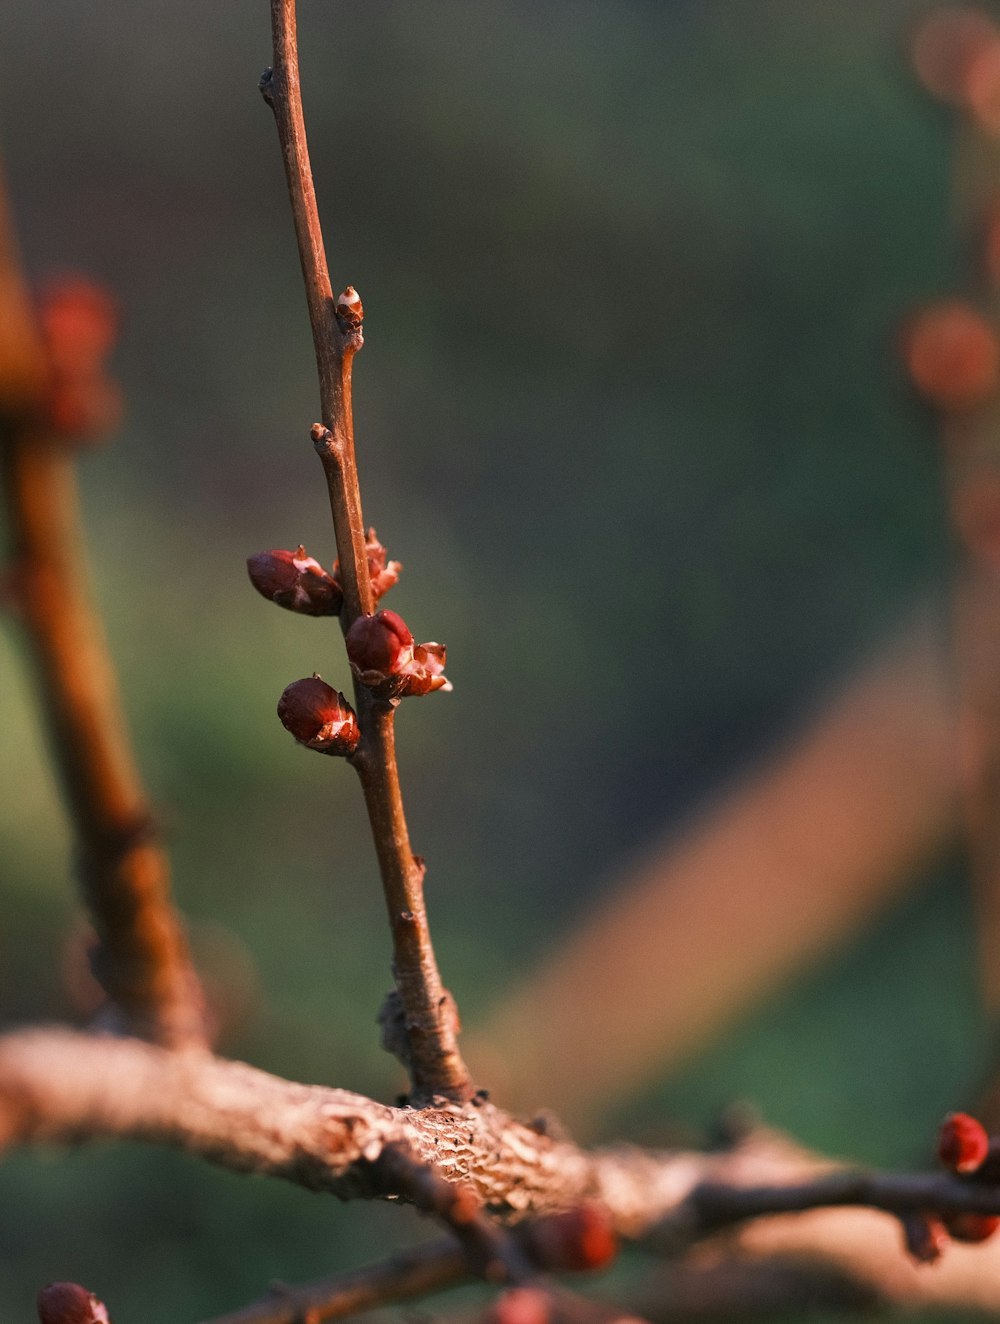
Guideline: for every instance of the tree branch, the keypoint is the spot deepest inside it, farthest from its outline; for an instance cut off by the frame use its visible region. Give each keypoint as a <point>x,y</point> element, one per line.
<point>430,1026</point>
<point>409,1273</point>
<point>143,963</point>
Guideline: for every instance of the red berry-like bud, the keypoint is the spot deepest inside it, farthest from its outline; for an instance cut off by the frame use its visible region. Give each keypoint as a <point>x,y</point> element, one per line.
<point>971,1228</point>
<point>379,644</point>
<point>962,1143</point>
<point>925,1237</point>
<point>295,581</point>
<point>384,657</point>
<point>68,1303</point>
<point>319,717</point>
<point>574,1241</point>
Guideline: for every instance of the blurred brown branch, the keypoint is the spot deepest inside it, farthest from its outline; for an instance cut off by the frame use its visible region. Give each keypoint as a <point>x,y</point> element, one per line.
<point>143,961</point>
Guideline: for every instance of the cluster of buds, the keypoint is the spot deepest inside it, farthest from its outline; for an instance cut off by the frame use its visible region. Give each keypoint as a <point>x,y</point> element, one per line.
<point>319,717</point>
<point>384,657</point>
<point>964,1147</point>
<point>68,1303</point>
<point>299,583</point>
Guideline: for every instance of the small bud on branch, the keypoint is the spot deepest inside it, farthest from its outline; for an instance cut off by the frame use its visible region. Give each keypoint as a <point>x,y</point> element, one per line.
<point>69,1303</point>
<point>383,574</point>
<point>385,658</point>
<point>295,581</point>
<point>350,309</point>
<point>963,1144</point>
<point>319,717</point>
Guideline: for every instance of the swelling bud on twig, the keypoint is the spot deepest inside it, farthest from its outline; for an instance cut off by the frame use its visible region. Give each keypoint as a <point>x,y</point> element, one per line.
<point>384,657</point>
<point>69,1303</point>
<point>350,309</point>
<point>963,1144</point>
<point>295,581</point>
<point>319,717</point>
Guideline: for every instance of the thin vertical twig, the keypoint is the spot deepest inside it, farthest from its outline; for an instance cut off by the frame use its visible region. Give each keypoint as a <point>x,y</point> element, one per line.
<point>143,962</point>
<point>430,1027</point>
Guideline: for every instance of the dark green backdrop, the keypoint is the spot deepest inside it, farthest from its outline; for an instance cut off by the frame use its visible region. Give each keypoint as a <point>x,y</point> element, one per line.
<point>629,414</point>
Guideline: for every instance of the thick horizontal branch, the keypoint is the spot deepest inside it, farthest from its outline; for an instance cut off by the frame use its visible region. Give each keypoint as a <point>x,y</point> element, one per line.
<point>57,1085</point>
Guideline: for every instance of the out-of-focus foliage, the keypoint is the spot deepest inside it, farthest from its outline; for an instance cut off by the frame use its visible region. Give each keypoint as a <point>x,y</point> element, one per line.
<point>629,414</point>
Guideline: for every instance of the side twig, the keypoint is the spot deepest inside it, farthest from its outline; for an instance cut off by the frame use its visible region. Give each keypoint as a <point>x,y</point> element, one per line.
<point>143,961</point>
<point>409,1273</point>
<point>430,1026</point>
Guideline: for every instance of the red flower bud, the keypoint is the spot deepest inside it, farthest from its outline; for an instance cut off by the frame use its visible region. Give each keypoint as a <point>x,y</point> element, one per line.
<point>384,657</point>
<point>383,574</point>
<point>962,1143</point>
<point>971,1228</point>
<point>68,1303</point>
<point>296,581</point>
<point>925,1236</point>
<point>574,1241</point>
<point>319,717</point>
<point>379,645</point>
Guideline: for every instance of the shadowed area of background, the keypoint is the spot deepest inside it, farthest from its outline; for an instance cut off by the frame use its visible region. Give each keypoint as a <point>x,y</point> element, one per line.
<point>630,414</point>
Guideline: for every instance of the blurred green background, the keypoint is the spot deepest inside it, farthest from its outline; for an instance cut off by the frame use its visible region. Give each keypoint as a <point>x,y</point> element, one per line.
<point>628,412</point>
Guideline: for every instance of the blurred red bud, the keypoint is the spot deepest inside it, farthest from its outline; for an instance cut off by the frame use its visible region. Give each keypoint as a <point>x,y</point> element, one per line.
<point>573,1241</point>
<point>962,1143</point>
<point>522,1305</point>
<point>945,48</point>
<point>319,717</point>
<point>384,657</point>
<point>971,1228</point>
<point>68,1303</point>
<point>952,356</point>
<point>79,323</point>
<point>925,1236</point>
<point>295,581</point>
